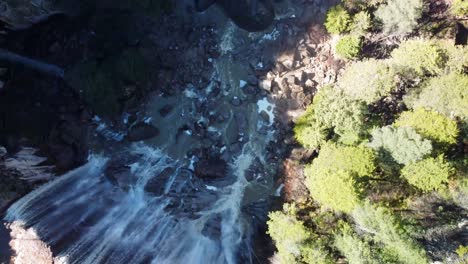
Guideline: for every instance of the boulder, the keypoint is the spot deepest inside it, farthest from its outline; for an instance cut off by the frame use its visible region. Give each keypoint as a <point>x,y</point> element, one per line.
<point>211,168</point>
<point>118,170</point>
<point>142,131</point>
<point>157,184</point>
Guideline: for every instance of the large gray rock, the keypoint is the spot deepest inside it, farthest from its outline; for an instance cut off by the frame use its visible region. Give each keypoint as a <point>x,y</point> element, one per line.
<point>211,168</point>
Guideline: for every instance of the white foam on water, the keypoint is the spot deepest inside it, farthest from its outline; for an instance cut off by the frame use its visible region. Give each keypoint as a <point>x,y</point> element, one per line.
<point>265,105</point>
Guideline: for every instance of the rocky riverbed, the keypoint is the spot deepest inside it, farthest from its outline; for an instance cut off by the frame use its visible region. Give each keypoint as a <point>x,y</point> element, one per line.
<point>217,100</point>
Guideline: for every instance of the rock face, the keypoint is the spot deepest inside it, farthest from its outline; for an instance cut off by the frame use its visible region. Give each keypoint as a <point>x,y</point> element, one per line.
<point>20,14</point>
<point>211,168</point>
<point>251,15</point>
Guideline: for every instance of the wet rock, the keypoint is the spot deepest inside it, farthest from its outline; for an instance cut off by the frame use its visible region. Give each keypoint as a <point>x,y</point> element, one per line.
<point>118,170</point>
<point>212,228</point>
<point>258,210</point>
<point>157,184</point>
<point>265,116</point>
<point>165,110</point>
<point>241,121</point>
<point>250,90</point>
<point>142,131</point>
<point>236,101</point>
<point>211,168</point>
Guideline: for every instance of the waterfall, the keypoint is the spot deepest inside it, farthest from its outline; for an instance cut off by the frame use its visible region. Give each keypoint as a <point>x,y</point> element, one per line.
<point>87,219</point>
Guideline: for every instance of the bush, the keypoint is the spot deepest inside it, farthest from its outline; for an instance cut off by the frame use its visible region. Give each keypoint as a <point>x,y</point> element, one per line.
<point>403,144</point>
<point>420,56</point>
<point>428,174</point>
<point>349,46</point>
<point>446,94</point>
<point>430,124</point>
<point>334,189</point>
<point>400,16</point>
<point>288,233</point>
<point>385,229</point>
<point>331,112</point>
<point>361,23</point>
<point>368,80</point>
<point>337,20</point>
<point>352,247</point>
<point>358,160</point>
<point>459,7</point>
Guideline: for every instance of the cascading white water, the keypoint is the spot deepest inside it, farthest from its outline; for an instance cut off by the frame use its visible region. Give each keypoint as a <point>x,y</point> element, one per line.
<point>89,220</point>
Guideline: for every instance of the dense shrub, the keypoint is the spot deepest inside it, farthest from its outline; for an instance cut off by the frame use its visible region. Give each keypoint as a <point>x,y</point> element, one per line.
<point>331,112</point>
<point>430,124</point>
<point>289,234</point>
<point>368,80</point>
<point>459,7</point>
<point>400,16</point>
<point>352,247</point>
<point>446,94</point>
<point>427,174</point>
<point>361,23</point>
<point>358,160</point>
<point>334,189</point>
<point>349,46</point>
<point>403,144</point>
<point>387,230</point>
<point>420,56</point>
<point>337,20</point>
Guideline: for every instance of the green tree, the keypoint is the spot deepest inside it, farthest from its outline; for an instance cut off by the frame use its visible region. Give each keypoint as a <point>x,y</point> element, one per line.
<point>459,7</point>
<point>385,229</point>
<point>400,16</point>
<point>368,80</point>
<point>457,57</point>
<point>349,46</point>
<point>345,117</point>
<point>315,254</point>
<point>361,23</point>
<point>432,125</point>
<point>428,174</point>
<point>288,233</point>
<point>446,94</point>
<point>331,113</point>
<point>337,20</point>
<point>361,4</point>
<point>334,189</point>
<point>359,160</point>
<point>423,57</point>
<point>308,131</point>
<point>403,144</point>
<point>353,247</point>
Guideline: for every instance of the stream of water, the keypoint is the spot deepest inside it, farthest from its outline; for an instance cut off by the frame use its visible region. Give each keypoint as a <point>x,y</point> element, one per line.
<point>85,218</point>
